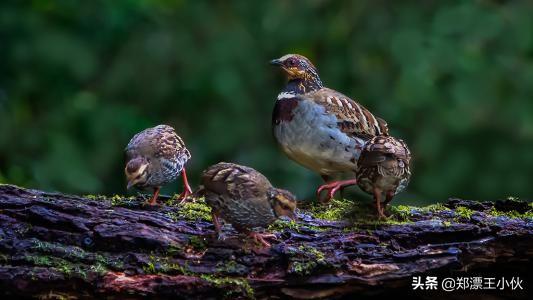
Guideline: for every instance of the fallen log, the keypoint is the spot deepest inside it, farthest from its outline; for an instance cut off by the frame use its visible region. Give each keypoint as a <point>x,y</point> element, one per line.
<point>54,245</point>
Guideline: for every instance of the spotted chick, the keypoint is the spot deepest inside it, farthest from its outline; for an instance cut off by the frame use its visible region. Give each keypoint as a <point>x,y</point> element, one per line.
<point>383,169</point>
<point>245,198</point>
<point>318,127</point>
<point>155,157</point>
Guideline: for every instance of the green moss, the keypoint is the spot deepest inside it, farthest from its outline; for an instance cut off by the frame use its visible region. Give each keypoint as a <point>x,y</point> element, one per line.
<point>94,197</point>
<point>464,212</point>
<point>63,266</point>
<point>149,268</point>
<point>313,253</point>
<point>305,260</point>
<point>404,213</point>
<point>335,210</point>
<point>281,225</point>
<point>302,268</point>
<point>239,286</point>
<point>65,259</point>
<point>39,260</point>
<point>99,268</point>
<point>435,207</point>
<point>116,200</point>
<point>161,264</point>
<point>511,214</point>
<point>192,211</point>
<point>379,222</point>
<point>230,267</point>
<point>102,262</point>
<point>70,252</point>
<point>197,243</point>
<point>174,249</point>
<point>226,267</point>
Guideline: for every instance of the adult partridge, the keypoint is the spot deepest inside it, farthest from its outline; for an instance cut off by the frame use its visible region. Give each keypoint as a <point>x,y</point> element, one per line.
<point>318,127</point>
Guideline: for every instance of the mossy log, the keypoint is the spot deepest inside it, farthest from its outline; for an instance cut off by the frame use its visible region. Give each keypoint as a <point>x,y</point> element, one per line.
<point>54,245</point>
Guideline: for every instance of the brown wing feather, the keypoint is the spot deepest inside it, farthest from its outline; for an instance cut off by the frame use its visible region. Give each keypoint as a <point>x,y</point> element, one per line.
<point>369,159</point>
<point>235,181</point>
<point>353,118</point>
<point>383,148</point>
<point>159,141</point>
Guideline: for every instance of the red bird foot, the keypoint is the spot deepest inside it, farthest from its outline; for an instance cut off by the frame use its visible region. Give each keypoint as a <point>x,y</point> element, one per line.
<point>184,195</point>
<point>333,187</point>
<point>261,237</point>
<point>153,199</point>
<point>186,188</point>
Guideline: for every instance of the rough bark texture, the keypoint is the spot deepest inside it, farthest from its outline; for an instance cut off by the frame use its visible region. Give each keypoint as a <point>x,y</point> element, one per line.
<point>54,245</point>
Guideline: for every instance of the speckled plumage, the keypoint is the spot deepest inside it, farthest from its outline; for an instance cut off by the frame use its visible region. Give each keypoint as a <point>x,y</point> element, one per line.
<point>163,150</point>
<point>383,168</point>
<point>322,135</point>
<point>318,127</point>
<point>244,197</point>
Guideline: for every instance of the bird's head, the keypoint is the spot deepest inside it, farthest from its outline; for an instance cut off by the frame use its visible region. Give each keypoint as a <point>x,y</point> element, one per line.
<point>296,67</point>
<point>283,202</point>
<point>136,171</point>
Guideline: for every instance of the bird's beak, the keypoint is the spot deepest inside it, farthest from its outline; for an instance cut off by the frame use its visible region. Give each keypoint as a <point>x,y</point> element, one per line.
<point>130,184</point>
<point>276,62</point>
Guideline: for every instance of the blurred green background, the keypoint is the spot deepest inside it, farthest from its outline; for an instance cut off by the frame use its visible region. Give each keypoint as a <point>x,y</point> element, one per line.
<point>79,78</point>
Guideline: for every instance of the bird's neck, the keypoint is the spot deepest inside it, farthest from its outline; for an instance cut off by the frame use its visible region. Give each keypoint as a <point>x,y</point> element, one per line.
<point>299,86</point>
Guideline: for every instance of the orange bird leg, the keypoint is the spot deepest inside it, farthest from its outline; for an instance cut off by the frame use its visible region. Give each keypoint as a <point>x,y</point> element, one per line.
<point>216,222</point>
<point>153,200</point>
<point>377,198</point>
<point>261,237</point>
<point>333,187</point>
<point>388,199</point>
<point>186,188</point>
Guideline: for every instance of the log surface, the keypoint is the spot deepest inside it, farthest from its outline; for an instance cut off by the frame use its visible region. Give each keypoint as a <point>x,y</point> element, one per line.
<point>54,245</point>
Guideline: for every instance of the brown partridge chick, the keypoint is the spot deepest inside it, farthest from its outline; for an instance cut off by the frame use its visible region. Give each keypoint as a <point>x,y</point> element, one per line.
<point>245,198</point>
<point>318,127</point>
<point>383,169</point>
<point>155,157</point>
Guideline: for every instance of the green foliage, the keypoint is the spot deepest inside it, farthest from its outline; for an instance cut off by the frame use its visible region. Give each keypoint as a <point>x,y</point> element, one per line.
<point>79,79</point>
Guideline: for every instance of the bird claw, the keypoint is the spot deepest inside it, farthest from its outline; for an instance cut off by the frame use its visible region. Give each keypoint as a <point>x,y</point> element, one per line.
<point>333,187</point>
<point>182,198</point>
<point>220,236</point>
<point>261,238</point>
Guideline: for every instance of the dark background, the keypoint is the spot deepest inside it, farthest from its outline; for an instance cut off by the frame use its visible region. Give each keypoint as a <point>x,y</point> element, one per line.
<point>79,78</point>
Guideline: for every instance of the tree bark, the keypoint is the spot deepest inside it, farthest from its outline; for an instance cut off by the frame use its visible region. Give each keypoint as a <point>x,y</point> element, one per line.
<point>54,245</point>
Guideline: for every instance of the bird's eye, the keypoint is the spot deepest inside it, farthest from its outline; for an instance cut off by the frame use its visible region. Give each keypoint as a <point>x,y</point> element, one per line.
<point>291,62</point>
